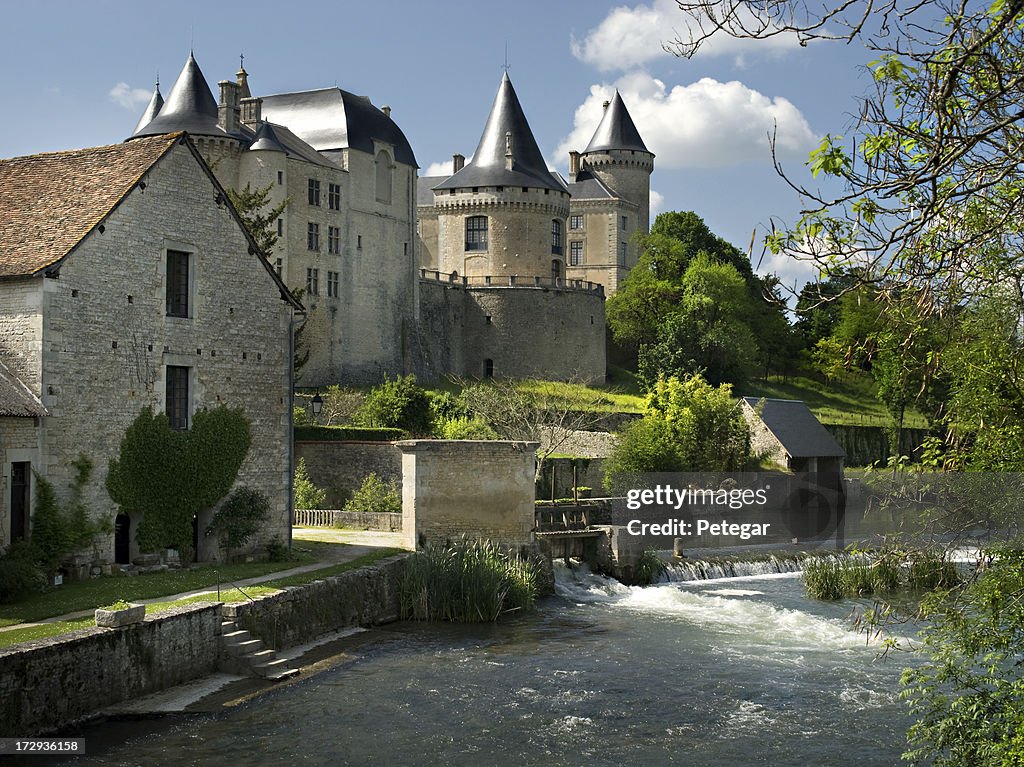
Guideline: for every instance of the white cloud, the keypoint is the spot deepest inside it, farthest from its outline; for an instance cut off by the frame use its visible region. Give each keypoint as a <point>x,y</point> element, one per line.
<point>632,36</point>
<point>129,97</point>
<point>707,124</point>
<point>437,169</point>
<point>657,203</point>
<point>793,272</point>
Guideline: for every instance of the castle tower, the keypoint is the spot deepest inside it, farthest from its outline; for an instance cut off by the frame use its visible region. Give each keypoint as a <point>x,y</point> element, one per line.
<point>503,214</point>
<point>618,156</point>
<point>610,184</point>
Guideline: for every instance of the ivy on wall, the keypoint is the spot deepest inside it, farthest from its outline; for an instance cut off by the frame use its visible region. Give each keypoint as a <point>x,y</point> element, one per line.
<point>167,476</point>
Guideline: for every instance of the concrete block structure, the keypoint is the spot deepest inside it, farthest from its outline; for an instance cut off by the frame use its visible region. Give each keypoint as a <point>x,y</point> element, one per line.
<point>127,280</point>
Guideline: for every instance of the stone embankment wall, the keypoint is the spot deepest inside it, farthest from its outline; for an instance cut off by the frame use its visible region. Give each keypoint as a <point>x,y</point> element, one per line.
<point>364,597</point>
<point>54,682</point>
<point>340,467</point>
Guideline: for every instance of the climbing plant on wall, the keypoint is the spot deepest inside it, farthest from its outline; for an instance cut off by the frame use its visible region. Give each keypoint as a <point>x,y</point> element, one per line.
<point>167,477</point>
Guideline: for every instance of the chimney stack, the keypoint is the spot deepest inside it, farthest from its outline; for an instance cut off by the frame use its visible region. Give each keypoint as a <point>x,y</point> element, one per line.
<point>252,111</point>
<point>574,165</point>
<point>227,110</point>
<point>458,163</point>
<point>386,110</point>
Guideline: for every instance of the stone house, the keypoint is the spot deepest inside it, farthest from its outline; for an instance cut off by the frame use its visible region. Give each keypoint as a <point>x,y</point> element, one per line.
<point>127,280</point>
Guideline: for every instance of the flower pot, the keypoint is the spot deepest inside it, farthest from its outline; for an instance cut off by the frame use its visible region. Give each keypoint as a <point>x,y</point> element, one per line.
<point>112,619</point>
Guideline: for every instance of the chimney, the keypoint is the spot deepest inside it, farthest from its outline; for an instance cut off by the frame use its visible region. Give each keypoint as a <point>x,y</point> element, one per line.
<point>252,111</point>
<point>574,165</point>
<point>508,150</point>
<point>227,110</point>
<point>458,163</point>
<point>386,110</point>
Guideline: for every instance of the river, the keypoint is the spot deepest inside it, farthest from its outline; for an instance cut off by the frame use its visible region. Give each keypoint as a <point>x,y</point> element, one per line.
<point>738,672</point>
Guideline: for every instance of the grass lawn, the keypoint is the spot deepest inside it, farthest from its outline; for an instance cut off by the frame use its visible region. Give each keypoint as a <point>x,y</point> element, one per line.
<point>96,592</point>
<point>602,399</point>
<point>850,401</point>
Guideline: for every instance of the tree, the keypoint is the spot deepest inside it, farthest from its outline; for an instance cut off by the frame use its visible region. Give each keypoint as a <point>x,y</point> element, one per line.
<point>306,494</point>
<point>258,215</point>
<point>688,425</point>
<point>397,404</point>
<point>933,188</point>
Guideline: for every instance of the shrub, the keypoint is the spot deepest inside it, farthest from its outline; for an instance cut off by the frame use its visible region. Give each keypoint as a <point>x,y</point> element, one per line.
<point>51,540</point>
<point>649,569</point>
<point>306,494</point>
<point>277,551</point>
<point>19,572</point>
<point>397,403</point>
<point>345,433</point>
<point>464,427</point>
<point>374,496</point>
<point>239,517</point>
<point>823,579</point>
<point>467,581</point>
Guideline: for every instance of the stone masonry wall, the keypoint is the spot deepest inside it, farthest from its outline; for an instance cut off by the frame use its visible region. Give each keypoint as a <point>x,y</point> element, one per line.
<point>50,683</point>
<point>484,489</point>
<point>340,467</point>
<point>19,441</point>
<point>21,329</point>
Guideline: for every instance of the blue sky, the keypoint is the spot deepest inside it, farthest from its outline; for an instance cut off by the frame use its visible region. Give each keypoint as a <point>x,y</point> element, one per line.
<point>78,74</point>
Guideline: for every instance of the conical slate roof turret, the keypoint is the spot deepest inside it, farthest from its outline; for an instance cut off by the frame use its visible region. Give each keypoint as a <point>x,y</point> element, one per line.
<point>190,106</point>
<point>267,140</point>
<point>507,154</point>
<point>616,130</point>
<point>152,110</point>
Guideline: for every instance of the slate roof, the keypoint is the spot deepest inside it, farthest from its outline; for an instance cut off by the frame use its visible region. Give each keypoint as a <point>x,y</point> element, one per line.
<point>16,399</point>
<point>616,130</point>
<point>488,166</point>
<point>794,425</point>
<point>277,138</point>
<point>331,118</point>
<point>190,107</point>
<point>156,103</point>
<point>425,189</point>
<point>587,186</point>
<point>50,202</point>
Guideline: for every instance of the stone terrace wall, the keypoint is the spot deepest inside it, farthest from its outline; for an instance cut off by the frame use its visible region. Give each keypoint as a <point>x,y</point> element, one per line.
<point>364,597</point>
<point>339,467</point>
<point>53,682</point>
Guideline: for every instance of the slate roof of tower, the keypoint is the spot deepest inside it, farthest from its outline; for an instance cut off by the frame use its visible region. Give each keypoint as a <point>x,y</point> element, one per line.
<point>793,424</point>
<point>190,107</point>
<point>152,110</point>
<point>50,202</point>
<point>488,166</point>
<point>277,138</point>
<point>331,118</point>
<point>16,399</point>
<point>616,130</point>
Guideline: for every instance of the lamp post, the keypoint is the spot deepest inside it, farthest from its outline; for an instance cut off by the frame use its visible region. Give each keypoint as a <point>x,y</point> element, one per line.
<point>317,405</point>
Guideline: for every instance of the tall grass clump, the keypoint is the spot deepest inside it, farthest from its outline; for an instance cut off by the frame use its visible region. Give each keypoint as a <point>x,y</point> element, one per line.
<point>466,581</point>
<point>886,571</point>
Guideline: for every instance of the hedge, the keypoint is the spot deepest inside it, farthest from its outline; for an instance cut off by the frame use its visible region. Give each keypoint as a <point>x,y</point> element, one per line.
<point>345,434</point>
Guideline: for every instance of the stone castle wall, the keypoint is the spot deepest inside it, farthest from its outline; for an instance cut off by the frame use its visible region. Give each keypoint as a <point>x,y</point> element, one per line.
<point>340,467</point>
<point>526,332</point>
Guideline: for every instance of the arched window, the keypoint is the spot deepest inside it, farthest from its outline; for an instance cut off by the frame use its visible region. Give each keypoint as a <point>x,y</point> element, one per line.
<point>383,163</point>
<point>476,233</point>
<point>556,237</point>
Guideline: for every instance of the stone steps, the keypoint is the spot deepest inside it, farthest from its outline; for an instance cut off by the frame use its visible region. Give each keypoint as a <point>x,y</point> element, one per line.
<point>244,653</point>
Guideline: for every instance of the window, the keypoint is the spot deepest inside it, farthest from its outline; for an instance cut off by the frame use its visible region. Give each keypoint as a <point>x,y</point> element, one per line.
<point>177,404</point>
<point>177,283</point>
<point>334,196</point>
<point>488,368</point>
<point>622,254</point>
<point>576,222</point>
<point>556,269</point>
<point>313,236</point>
<point>332,284</point>
<point>383,163</point>
<point>313,282</point>
<point>280,227</point>
<point>333,239</point>
<point>280,177</point>
<point>476,233</point>
<point>556,237</point>
<point>359,241</point>
<point>278,266</point>
<point>575,252</point>
<point>625,223</point>
<point>314,192</point>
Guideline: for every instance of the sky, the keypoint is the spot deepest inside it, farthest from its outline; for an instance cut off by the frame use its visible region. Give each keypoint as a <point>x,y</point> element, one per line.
<point>79,74</point>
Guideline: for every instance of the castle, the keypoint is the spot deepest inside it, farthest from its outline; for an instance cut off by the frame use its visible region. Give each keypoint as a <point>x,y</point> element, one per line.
<point>500,269</point>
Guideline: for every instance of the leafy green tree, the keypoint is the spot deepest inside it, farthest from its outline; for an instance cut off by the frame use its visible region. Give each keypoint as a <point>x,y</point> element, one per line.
<point>239,517</point>
<point>688,425</point>
<point>51,539</point>
<point>258,214</point>
<point>399,404</point>
<point>375,496</point>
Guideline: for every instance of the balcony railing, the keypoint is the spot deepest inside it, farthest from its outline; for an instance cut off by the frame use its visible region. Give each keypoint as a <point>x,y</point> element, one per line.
<point>511,281</point>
